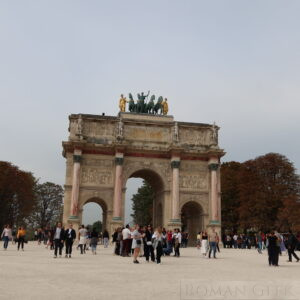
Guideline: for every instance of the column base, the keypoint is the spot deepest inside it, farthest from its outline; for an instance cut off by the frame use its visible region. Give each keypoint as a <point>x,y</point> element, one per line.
<point>73,218</point>
<point>215,222</point>
<point>174,223</point>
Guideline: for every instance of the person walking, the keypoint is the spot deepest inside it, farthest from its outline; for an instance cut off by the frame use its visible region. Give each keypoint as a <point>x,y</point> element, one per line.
<point>204,243</point>
<point>149,250</point>
<point>82,239</point>
<point>136,243</point>
<point>158,244</point>
<point>21,237</point>
<point>213,240</point>
<point>6,236</point>
<point>70,236</point>
<point>94,241</point>
<point>59,236</point>
<point>105,238</point>
<point>291,246</point>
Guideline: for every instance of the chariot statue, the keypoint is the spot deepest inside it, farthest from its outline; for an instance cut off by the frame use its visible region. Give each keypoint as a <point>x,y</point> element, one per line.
<point>141,106</point>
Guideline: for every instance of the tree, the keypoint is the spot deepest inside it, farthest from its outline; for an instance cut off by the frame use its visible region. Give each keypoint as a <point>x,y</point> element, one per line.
<point>49,205</point>
<point>266,182</point>
<point>98,226</point>
<point>262,193</point>
<point>230,180</point>
<point>17,197</point>
<point>289,214</point>
<point>142,204</point>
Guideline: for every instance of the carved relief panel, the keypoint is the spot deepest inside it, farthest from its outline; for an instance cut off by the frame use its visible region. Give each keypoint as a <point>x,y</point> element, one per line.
<point>147,133</point>
<point>199,136</point>
<point>193,175</point>
<point>97,172</point>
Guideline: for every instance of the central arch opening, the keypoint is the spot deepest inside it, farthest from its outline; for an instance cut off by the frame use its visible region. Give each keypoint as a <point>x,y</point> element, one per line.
<point>94,214</point>
<point>145,198</point>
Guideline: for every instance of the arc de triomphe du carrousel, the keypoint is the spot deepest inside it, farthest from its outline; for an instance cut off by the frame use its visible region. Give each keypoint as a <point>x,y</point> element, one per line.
<point>180,160</point>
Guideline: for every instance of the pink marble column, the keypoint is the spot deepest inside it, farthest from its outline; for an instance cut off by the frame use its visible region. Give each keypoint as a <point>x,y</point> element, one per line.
<point>214,190</point>
<point>75,183</point>
<point>118,187</point>
<point>175,163</point>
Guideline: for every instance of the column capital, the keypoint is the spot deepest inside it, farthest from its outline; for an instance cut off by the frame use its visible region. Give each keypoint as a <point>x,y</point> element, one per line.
<point>175,164</point>
<point>77,158</point>
<point>213,167</point>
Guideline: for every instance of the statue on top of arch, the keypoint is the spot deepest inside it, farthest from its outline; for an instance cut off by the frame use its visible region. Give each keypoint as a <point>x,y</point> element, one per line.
<point>142,106</point>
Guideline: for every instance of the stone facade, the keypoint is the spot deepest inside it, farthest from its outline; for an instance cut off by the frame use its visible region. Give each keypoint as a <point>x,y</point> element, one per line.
<point>180,160</point>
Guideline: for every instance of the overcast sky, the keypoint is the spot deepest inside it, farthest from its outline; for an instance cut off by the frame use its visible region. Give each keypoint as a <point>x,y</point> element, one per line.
<point>233,62</point>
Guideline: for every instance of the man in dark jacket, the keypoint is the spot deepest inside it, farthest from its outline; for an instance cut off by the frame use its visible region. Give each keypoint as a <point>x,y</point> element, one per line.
<point>59,236</point>
<point>291,245</point>
<point>148,247</point>
<point>70,236</point>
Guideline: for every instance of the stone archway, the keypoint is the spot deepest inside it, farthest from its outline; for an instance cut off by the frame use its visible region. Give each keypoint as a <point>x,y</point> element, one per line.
<point>179,159</point>
<point>155,180</point>
<point>103,206</point>
<point>192,220</point>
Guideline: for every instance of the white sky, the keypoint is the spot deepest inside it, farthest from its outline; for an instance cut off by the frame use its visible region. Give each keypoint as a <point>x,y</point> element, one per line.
<point>233,62</point>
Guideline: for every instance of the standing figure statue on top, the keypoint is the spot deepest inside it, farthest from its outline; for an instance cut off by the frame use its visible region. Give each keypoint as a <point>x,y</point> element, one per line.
<point>122,103</point>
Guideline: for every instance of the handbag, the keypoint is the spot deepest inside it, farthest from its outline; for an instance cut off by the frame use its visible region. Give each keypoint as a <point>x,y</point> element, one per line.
<point>138,242</point>
<point>149,243</point>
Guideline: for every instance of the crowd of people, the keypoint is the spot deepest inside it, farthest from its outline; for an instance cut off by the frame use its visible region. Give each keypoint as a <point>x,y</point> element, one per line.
<point>274,242</point>
<point>144,241</point>
<point>56,238</point>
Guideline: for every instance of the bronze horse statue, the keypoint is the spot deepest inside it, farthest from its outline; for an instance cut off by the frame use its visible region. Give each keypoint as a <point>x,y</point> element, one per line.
<point>158,106</point>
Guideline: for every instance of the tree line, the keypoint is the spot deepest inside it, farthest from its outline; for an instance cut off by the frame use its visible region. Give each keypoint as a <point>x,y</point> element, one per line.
<point>260,194</point>
<point>25,201</point>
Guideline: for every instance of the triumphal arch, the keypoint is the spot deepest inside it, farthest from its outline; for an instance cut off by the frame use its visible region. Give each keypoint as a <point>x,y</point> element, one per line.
<point>180,160</point>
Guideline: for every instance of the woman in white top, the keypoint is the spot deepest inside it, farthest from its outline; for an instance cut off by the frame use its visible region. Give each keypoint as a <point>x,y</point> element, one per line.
<point>6,236</point>
<point>82,239</point>
<point>204,243</point>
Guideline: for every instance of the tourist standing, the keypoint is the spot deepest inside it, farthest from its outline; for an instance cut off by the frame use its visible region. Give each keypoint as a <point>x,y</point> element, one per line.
<point>70,236</point>
<point>177,242</point>
<point>149,250</point>
<point>158,244</point>
<point>273,249</point>
<point>6,236</point>
<point>82,239</point>
<point>21,237</point>
<point>213,240</point>
<point>136,243</point>
<point>291,246</point>
<point>235,241</point>
<point>259,242</point>
<point>126,241</point>
<point>204,243</point>
<point>105,238</point>
<point>94,240</point>
<point>59,236</point>
<point>198,241</point>
<point>40,236</point>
